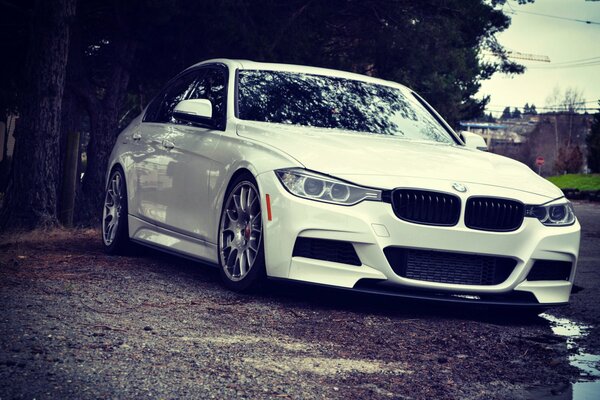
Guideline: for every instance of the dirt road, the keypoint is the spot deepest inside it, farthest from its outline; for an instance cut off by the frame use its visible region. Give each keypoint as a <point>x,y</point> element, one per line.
<point>76,323</point>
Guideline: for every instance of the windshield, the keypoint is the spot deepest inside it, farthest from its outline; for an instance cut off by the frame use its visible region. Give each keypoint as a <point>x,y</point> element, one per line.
<point>337,103</point>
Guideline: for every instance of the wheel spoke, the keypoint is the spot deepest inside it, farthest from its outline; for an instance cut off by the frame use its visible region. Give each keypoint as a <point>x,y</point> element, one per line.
<point>253,245</point>
<point>237,204</point>
<point>113,185</point>
<point>226,239</point>
<point>242,263</point>
<point>249,256</point>
<point>249,199</point>
<point>117,181</point>
<point>235,270</point>
<point>110,197</point>
<point>256,222</point>
<point>243,198</point>
<point>107,221</point>
<point>231,216</point>
<point>109,231</point>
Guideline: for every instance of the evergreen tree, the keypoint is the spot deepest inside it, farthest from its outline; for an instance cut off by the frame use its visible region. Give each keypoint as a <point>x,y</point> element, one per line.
<point>121,53</point>
<point>506,114</point>
<point>526,109</point>
<point>532,110</point>
<point>516,113</point>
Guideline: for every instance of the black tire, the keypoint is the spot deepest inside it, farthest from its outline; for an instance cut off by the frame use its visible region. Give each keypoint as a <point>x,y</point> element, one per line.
<point>254,278</point>
<point>114,209</point>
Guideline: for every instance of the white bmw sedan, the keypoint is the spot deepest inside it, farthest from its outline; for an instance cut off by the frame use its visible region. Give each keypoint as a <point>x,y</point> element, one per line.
<point>337,179</point>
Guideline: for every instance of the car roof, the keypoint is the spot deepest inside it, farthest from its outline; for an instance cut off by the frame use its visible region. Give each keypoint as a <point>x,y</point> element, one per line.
<point>234,64</point>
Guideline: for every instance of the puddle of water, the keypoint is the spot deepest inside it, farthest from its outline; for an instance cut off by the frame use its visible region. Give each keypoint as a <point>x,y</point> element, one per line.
<point>586,391</point>
<point>565,327</point>
<point>587,363</point>
<point>588,386</point>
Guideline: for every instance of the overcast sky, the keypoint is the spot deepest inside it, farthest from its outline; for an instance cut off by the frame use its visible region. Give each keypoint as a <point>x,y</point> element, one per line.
<point>564,41</point>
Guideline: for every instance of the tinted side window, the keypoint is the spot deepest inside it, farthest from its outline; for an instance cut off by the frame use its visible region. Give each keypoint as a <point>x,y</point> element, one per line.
<point>161,109</point>
<point>154,108</point>
<point>211,85</point>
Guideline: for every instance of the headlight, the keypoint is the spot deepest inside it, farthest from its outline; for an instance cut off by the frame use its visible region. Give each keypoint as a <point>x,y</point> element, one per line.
<point>555,214</point>
<point>313,186</point>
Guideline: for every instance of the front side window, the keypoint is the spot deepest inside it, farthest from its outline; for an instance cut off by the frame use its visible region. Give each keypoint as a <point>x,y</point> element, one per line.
<point>161,108</point>
<point>212,86</point>
<point>337,103</point>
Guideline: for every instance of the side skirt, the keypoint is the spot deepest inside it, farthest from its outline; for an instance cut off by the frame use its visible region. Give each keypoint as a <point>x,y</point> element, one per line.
<point>162,239</point>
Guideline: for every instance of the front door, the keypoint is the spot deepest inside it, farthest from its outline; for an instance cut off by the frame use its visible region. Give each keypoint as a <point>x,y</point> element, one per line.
<point>153,181</point>
<point>191,158</point>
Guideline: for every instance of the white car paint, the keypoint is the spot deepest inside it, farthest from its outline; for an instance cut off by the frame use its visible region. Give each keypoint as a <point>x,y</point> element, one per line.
<point>380,161</point>
<point>177,176</point>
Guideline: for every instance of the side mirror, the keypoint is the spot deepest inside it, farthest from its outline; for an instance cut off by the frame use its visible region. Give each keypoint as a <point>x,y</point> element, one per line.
<point>193,110</point>
<point>473,140</point>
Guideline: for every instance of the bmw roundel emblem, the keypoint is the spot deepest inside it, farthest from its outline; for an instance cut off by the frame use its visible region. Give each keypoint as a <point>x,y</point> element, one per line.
<point>459,187</point>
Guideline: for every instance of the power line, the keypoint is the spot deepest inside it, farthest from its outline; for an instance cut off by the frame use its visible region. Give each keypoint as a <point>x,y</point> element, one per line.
<point>501,109</point>
<point>513,11</point>
<point>576,61</point>
<point>582,65</point>
<point>555,105</point>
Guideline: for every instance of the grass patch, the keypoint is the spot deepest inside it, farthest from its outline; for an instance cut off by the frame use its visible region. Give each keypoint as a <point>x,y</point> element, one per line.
<point>577,181</point>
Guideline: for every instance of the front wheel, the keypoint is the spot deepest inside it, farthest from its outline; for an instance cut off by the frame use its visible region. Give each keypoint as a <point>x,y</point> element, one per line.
<point>241,249</point>
<point>115,230</point>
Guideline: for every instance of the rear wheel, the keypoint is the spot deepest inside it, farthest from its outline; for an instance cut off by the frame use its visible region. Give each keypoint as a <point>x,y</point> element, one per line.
<point>115,230</point>
<point>241,250</point>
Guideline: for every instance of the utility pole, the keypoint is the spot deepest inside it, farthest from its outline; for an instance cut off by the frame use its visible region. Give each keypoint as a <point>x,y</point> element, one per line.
<point>526,56</point>
<point>517,55</point>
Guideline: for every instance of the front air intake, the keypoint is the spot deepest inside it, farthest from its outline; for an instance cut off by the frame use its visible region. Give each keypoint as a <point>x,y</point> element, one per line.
<point>327,250</point>
<point>447,267</point>
<point>550,270</point>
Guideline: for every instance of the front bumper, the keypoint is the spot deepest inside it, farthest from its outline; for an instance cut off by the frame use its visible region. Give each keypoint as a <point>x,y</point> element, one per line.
<point>372,226</point>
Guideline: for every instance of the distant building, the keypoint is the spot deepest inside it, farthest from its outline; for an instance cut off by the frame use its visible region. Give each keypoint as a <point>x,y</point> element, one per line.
<point>511,131</point>
<point>541,135</point>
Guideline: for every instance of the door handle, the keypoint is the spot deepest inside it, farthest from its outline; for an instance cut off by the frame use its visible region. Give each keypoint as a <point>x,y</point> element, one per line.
<point>136,136</point>
<point>167,144</point>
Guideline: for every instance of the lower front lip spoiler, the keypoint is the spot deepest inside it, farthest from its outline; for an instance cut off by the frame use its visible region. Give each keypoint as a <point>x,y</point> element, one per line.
<point>383,288</point>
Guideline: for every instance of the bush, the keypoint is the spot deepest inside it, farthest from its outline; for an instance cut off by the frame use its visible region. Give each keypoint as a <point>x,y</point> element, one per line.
<point>569,161</point>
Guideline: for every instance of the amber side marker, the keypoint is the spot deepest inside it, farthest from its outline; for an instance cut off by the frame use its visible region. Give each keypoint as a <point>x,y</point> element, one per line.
<point>269,216</point>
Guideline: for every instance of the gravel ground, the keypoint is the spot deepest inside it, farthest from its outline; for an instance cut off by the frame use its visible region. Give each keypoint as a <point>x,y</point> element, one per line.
<point>76,323</point>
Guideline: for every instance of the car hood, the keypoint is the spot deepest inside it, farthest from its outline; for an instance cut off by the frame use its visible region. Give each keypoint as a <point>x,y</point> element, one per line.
<point>363,158</point>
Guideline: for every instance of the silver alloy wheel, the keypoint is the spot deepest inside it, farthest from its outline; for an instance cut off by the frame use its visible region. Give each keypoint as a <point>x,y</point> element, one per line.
<point>113,204</point>
<point>240,231</point>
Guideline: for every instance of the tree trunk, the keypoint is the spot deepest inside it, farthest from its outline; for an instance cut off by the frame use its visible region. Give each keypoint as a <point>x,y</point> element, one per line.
<point>7,128</point>
<point>104,125</point>
<point>32,193</point>
<point>570,127</point>
<point>556,137</point>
